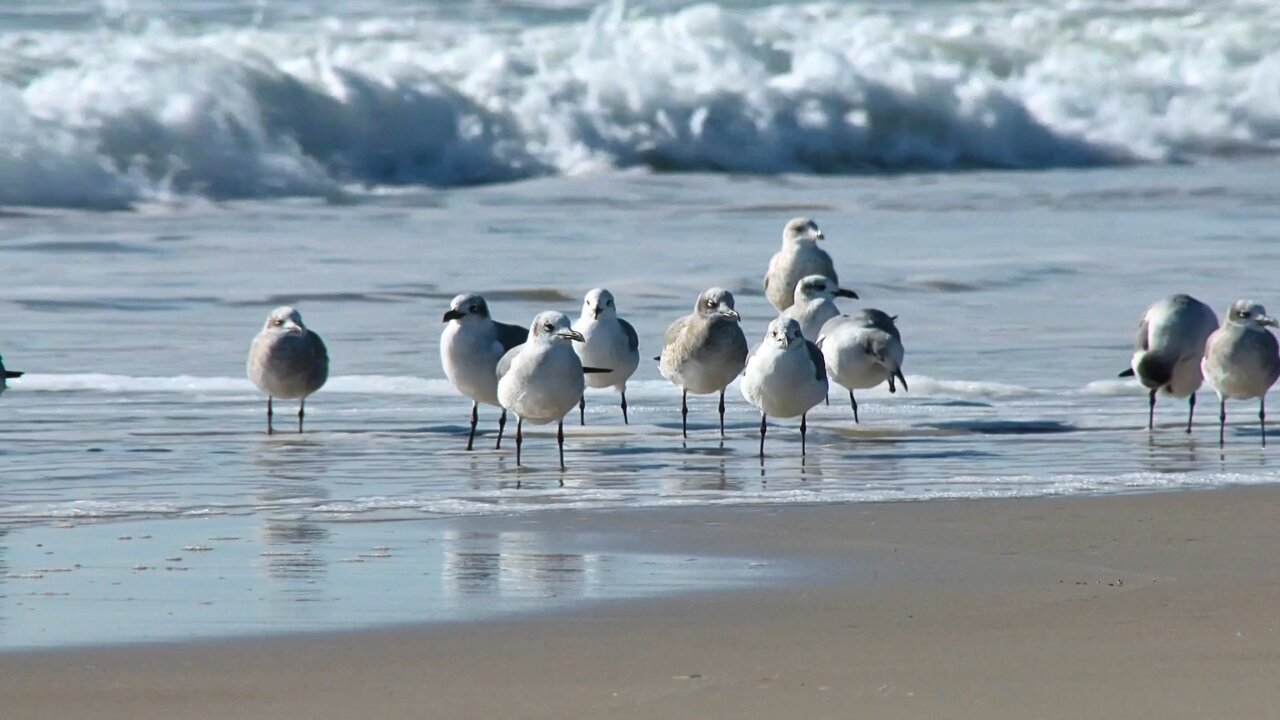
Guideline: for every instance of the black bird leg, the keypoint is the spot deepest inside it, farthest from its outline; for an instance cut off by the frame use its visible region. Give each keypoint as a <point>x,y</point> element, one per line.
<point>475,418</point>
<point>519,437</point>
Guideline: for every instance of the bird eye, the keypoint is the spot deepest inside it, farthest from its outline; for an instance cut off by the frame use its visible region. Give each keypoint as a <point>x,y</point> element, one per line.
<point>473,308</point>
<point>548,327</point>
<point>277,321</point>
<point>610,303</point>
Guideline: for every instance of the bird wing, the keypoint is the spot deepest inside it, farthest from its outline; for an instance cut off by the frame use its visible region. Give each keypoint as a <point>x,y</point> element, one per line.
<point>675,334</point>
<point>819,363</point>
<point>826,268</point>
<point>880,345</point>
<point>510,336</point>
<point>633,340</point>
<point>1142,341</point>
<point>317,347</point>
<point>504,363</point>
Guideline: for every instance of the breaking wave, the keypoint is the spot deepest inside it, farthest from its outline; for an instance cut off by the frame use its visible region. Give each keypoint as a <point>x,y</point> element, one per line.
<point>324,106</point>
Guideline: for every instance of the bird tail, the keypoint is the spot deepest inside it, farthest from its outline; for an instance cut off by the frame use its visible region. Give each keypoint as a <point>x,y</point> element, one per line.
<point>1128,372</point>
<point>897,372</point>
<point>12,374</point>
<point>594,370</point>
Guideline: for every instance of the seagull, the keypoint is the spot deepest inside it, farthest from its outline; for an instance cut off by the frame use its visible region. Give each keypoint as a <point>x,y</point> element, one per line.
<point>785,377</point>
<point>863,351</point>
<point>609,342</point>
<point>815,303</point>
<point>287,360</point>
<point>704,351</point>
<point>799,257</point>
<point>1168,350</point>
<point>470,347</point>
<point>541,380</point>
<point>7,375</point>
<point>1242,360</point>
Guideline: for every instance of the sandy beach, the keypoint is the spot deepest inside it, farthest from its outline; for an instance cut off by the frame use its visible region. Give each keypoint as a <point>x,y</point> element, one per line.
<point>1153,605</point>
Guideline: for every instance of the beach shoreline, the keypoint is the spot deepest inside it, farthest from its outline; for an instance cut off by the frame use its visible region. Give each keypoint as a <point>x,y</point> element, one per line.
<point>1143,605</point>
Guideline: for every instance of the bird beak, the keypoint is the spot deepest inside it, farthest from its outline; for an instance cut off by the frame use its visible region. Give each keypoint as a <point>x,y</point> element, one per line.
<point>293,327</point>
<point>1268,320</point>
<point>595,312</point>
<point>841,292</point>
<point>452,315</point>
<point>730,313</point>
<point>572,335</point>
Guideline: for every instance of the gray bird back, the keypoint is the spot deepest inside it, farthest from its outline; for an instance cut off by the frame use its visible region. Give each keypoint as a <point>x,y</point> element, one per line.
<point>511,335</point>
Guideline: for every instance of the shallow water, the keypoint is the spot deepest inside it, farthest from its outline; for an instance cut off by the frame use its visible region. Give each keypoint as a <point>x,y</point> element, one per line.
<point>1018,292</point>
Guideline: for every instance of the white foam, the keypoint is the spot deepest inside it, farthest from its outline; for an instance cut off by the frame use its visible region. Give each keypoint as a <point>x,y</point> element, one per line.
<point>99,382</point>
<point>323,106</point>
<point>1114,388</point>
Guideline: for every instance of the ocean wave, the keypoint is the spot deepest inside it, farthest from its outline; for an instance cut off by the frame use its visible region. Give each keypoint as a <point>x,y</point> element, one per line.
<point>328,106</point>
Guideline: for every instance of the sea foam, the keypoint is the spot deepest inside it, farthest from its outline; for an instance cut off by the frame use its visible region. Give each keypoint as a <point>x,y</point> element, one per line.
<point>148,111</point>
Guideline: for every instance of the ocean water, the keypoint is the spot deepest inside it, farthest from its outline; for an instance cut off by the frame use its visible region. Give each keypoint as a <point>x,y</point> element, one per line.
<point>1015,181</point>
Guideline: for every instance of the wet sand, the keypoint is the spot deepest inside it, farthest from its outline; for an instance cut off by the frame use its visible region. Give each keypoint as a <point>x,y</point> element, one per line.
<point>1157,605</point>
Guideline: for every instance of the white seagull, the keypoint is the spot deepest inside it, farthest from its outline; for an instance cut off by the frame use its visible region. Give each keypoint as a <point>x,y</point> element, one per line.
<point>785,377</point>
<point>704,351</point>
<point>863,351</point>
<point>1242,361</point>
<point>287,361</point>
<point>608,342</point>
<point>541,380</point>
<point>815,303</point>
<point>1168,350</point>
<point>470,347</point>
<point>799,257</point>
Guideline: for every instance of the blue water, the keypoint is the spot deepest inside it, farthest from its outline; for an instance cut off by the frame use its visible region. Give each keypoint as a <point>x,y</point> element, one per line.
<point>1016,182</point>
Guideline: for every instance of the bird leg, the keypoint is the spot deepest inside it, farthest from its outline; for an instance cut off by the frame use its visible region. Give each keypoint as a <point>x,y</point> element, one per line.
<point>1262,418</point>
<point>502,425</point>
<point>519,437</point>
<point>302,410</point>
<point>722,412</point>
<point>270,412</point>
<point>625,421</point>
<point>855,407</point>
<point>804,427</point>
<point>1222,423</point>
<point>582,409</point>
<point>1191,412</point>
<point>684,413</point>
<point>475,418</point>
<point>1151,411</point>
<point>763,417</point>
<point>560,444</point>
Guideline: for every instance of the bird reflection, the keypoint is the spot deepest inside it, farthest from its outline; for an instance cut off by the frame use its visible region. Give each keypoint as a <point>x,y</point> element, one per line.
<point>289,549</point>
<point>511,564</point>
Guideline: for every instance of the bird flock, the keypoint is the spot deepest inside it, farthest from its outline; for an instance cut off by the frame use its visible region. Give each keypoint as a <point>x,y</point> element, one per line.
<point>540,373</point>
<point>1180,344</point>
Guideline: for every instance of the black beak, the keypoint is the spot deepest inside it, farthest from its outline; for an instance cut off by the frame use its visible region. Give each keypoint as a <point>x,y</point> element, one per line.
<point>596,313</point>
<point>452,315</point>
<point>841,292</point>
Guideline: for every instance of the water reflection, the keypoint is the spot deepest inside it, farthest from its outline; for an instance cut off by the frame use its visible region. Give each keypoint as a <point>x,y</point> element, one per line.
<point>514,564</point>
